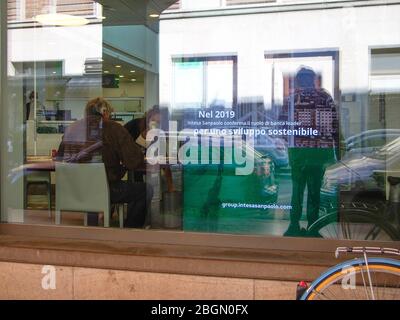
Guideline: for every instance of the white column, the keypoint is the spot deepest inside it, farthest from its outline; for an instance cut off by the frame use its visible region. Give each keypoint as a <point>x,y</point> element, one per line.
<point>151,95</point>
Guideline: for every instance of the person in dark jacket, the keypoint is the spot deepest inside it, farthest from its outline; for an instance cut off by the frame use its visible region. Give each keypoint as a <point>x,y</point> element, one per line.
<point>138,129</point>
<point>310,155</point>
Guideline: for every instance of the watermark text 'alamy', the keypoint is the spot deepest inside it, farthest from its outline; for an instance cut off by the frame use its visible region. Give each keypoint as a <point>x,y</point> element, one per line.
<point>187,147</point>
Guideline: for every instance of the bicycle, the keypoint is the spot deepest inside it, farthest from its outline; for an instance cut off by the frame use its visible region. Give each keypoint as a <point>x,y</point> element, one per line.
<point>362,220</point>
<point>375,278</point>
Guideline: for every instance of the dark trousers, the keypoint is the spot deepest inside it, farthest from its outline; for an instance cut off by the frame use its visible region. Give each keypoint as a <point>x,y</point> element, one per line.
<point>137,195</point>
<point>136,176</point>
<point>302,176</point>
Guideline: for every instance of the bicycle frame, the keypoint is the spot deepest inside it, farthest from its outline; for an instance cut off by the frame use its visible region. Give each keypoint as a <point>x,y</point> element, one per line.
<point>358,261</point>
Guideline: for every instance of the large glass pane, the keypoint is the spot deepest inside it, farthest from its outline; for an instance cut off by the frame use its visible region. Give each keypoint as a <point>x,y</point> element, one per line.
<point>67,69</point>
<point>275,118</point>
<point>311,98</point>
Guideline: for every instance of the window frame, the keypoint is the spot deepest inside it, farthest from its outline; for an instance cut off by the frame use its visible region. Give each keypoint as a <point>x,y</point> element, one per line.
<point>333,53</point>
<point>223,241</point>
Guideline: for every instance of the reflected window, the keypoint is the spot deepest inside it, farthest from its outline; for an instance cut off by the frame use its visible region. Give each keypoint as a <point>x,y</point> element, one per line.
<point>27,10</point>
<point>204,82</point>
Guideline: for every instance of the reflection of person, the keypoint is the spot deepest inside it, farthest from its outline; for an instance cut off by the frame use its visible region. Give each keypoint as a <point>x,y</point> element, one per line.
<point>30,107</point>
<point>109,142</point>
<point>310,155</point>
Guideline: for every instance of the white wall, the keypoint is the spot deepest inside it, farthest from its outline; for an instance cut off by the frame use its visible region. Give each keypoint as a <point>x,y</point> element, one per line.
<point>73,45</point>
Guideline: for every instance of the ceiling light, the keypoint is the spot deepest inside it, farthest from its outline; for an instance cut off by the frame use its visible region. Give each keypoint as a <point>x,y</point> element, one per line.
<point>121,76</point>
<point>118,66</point>
<point>133,71</point>
<point>133,80</point>
<point>54,72</point>
<point>106,71</point>
<point>154,15</point>
<point>58,19</point>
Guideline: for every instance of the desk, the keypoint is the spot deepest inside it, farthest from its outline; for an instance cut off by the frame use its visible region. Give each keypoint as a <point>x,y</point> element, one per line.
<point>39,163</point>
<point>38,169</point>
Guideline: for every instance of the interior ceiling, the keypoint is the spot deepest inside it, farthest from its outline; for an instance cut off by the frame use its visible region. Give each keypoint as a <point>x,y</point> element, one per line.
<point>133,12</point>
<point>109,66</point>
<point>130,12</point>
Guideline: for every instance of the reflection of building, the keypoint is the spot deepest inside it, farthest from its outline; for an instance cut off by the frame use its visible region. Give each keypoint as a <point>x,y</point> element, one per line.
<point>320,119</point>
<point>313,109</point>
<point>325,119</point>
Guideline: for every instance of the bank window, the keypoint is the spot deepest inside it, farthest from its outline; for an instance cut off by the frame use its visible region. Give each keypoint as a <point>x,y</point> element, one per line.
<point>235,117</point>
<point>384,86</point>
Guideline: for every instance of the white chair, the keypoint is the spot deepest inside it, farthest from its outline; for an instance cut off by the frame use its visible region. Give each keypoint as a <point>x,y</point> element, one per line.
<point>82,187</point>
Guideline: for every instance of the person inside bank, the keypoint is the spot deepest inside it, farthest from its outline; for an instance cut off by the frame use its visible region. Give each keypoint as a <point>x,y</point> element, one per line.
<point>97,138</point>
<point>138,129</point>
<point>33,101</point>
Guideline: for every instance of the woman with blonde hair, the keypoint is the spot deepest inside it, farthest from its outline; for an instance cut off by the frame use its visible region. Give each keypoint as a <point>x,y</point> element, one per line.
<point>97,137</point>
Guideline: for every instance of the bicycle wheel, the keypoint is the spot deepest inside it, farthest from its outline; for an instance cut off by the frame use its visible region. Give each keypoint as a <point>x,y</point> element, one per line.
<point>353,224</point>
<point>350,281</point>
